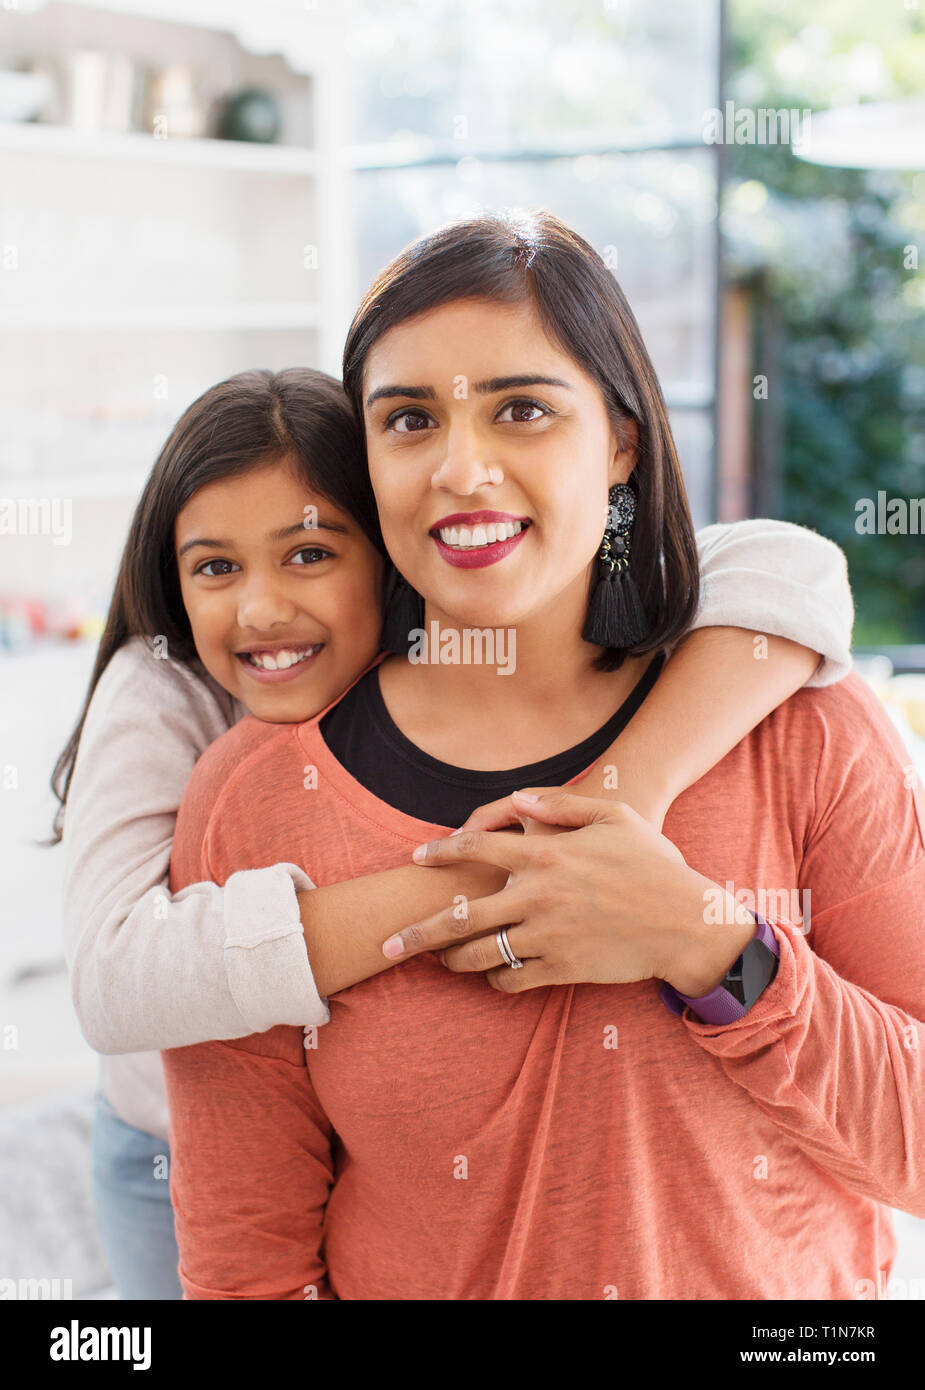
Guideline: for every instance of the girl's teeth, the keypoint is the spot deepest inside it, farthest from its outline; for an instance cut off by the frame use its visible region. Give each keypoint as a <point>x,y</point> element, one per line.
<point>280,661</point>
<point>470,538</point>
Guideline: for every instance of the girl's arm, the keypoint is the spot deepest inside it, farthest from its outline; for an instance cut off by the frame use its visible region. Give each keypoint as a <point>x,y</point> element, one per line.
<point>714,689</point>
<point>777,578</point>
<point>769,576</point>
<point>149,970</point>
<point>775,598</point>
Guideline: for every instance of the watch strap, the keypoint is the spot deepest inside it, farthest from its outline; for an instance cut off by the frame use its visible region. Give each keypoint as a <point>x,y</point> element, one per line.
<point>746,979</point>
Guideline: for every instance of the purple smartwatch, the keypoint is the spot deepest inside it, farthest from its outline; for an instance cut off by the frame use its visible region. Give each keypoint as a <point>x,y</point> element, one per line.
<point>747,977</point>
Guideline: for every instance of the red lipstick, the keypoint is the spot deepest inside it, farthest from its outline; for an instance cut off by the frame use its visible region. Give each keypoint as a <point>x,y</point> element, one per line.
<point>480,556</point>
<point>474,518</point>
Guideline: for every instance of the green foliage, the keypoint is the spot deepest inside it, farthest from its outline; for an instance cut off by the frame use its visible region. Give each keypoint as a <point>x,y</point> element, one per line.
<point>830,250</point>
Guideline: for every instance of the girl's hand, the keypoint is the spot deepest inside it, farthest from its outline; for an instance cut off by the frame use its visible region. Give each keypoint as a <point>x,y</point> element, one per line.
<point>507,811</point>
<point>609,901</point>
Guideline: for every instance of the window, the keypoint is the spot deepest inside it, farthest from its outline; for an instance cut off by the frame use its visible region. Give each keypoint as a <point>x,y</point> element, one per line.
<point>595,112</point>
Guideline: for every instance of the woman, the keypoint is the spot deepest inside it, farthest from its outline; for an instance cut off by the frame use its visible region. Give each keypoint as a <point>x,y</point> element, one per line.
<point>578,1142</point>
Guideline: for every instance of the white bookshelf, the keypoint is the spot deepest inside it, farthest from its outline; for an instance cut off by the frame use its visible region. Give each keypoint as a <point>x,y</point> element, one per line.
<point>179,318</point>
<point>128,260</point>
<point>236,156</point>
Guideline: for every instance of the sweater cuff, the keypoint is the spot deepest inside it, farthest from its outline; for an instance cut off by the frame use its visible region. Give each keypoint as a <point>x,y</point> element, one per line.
<point>732,599</point>
<point>269,973</point>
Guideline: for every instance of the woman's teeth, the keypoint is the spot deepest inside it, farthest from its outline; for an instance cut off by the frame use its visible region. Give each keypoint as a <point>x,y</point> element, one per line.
<point>471,537</point>
<point>279,661</point>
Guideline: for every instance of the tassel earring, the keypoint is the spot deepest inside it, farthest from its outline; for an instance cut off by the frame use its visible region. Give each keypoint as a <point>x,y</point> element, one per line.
<point>616,617</point>
<point>404,611</point>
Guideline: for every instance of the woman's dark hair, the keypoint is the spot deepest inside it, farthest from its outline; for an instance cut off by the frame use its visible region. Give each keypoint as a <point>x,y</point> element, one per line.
<point>256,417</point>
<point>518,256</point>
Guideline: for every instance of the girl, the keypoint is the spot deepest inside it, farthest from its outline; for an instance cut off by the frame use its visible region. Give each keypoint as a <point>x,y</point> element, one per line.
<point>151,970</point>
<point>433,1140</point>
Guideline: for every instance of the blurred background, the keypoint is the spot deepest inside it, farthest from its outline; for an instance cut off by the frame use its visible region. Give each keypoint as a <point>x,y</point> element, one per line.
<point>189,188</point>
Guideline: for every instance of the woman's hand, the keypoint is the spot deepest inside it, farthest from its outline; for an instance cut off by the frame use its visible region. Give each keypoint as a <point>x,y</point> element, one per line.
<point>609,901</point>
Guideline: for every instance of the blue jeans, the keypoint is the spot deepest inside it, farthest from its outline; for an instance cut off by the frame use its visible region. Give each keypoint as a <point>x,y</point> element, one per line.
<point>134,1216</point>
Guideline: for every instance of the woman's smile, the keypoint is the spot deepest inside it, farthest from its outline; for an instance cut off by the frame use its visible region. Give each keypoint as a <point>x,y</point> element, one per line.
<point>471,540</point>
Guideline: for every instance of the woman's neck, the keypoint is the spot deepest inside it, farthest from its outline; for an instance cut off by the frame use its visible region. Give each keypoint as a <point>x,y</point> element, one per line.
<point>494,698</point>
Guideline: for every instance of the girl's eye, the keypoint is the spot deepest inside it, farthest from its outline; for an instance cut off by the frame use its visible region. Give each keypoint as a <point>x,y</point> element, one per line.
<point>312,550</point>
<point>408,421</point>
<point>204,569</point>
<point>519,407</point>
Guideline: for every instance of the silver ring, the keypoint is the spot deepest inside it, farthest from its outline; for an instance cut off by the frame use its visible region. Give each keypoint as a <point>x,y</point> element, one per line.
<point>504,946</point>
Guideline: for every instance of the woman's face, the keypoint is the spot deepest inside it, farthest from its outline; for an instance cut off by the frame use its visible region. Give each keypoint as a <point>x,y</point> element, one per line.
<point>475,418</point>
<point>275,576</point>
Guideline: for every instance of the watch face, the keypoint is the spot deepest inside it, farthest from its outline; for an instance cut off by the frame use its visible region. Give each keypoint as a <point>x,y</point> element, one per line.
<point>759,966</point>
<point>733,985</point>
<point>732,981</point>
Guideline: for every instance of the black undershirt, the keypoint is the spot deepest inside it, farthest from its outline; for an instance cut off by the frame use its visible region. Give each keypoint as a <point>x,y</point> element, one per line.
<point>366,741</point>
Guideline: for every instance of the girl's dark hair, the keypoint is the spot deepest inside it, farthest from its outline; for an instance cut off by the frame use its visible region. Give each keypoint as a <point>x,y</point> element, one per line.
<point>515,256</point>
<point>256,417</point>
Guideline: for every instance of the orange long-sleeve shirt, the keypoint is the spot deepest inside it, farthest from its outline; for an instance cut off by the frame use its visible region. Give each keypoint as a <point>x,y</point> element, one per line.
<point>439,1140</point>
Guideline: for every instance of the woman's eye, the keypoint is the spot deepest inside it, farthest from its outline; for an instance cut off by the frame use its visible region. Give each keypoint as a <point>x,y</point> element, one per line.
<point>519,407</point>
<point>408,421</point>
<point>414,421</point>
<point>311,550</point>
<point>204,569</point>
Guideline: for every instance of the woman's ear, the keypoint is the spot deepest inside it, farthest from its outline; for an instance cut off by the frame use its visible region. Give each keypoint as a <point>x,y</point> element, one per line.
<point>625,442</point>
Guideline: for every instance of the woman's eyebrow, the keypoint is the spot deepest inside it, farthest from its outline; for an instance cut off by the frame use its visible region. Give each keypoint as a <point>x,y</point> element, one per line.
<point>417,393</point>
<point>320,525</point>
<point>504,383</point>
<point>484,388</point>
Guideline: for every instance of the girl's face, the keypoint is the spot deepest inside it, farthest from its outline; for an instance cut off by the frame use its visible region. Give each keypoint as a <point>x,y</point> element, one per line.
<point>476,419</point>
<point>283,591</point>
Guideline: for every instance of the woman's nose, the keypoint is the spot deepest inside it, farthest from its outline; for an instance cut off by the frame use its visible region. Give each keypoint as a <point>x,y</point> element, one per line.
<point>263,603</point>
<point>467,463</point>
